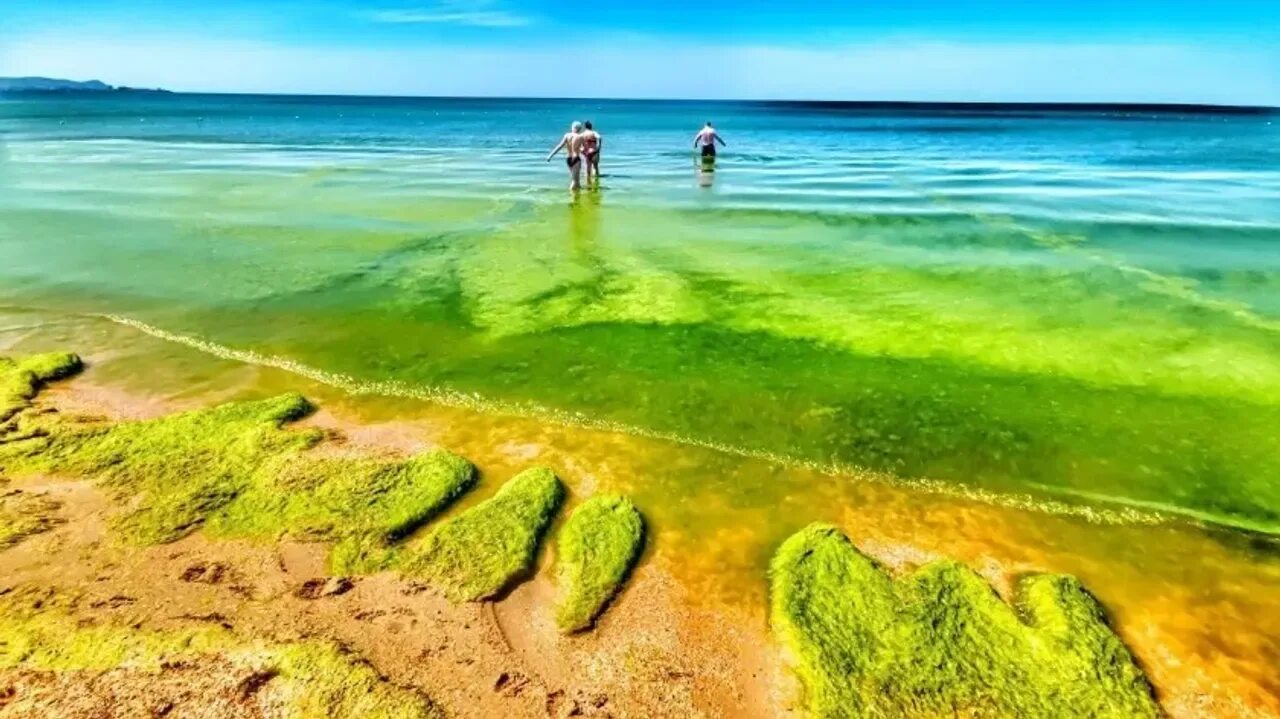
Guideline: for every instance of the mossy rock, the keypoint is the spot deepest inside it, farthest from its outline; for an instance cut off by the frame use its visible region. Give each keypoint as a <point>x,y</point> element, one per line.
<point>485,549</point>
<point>595,551</point>
<point>940,642</point>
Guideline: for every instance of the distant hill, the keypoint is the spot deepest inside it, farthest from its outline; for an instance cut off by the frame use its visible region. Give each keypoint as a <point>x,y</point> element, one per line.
<point>49,84</point>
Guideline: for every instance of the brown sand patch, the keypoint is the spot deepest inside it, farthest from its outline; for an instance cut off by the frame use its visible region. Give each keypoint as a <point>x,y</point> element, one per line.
<point>207,688</point>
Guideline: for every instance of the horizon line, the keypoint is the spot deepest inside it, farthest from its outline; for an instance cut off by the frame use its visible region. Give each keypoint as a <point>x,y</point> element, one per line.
<point>1185,106</point>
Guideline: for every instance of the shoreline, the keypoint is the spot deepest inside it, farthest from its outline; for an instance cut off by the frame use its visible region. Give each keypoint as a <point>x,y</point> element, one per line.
<point>1093,507</point>
<point>655,574</point>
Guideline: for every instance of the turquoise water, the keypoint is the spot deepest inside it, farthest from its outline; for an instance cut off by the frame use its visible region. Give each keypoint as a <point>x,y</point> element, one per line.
<point>1072,304</point>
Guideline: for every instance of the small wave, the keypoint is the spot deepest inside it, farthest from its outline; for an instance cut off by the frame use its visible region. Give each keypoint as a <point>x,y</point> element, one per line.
<point>1117,513</point>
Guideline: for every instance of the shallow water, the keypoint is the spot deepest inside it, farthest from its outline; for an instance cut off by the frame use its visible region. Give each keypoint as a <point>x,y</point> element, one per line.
<point>1002,336</point>
<point>1073,304</point>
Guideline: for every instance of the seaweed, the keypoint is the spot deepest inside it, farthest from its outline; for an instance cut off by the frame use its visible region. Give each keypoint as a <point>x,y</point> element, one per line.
<point>239,471</point>
<point>23,514</point>
<point>319,678</point>
<point>940,642</point>
<point>362,505</point>
<point>595,551</point>
<point>181,468</point>
<point>480,552</point>
<point>20,380</point>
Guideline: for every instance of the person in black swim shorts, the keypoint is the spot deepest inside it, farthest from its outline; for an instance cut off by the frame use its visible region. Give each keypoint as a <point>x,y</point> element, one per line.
<point>706,139</point>
<point>572,144</point>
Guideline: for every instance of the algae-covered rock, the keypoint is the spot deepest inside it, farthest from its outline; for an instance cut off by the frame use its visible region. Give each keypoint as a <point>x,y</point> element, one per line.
<point>940,642</point>
<point>481,551</point>
<point>21,379</point>
<point>595,551</point>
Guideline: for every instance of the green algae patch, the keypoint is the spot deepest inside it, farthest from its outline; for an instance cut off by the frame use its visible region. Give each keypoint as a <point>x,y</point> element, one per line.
<point>311,679</point>
<point>362,505</point>
<point>21,379</point>
<point>238,470</point>
<point>177,469</point>
<point>940,642</point>
<point>483,550</point>
<point>325,681</point>
<point>595,552</point>
<point>23,514</point>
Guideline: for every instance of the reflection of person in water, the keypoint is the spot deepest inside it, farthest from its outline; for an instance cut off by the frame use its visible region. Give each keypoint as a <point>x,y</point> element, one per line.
<point>584,229</point>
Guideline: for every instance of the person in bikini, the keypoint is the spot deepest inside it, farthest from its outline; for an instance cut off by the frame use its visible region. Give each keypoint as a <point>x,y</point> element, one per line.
<point>592,143</point>
<point>571,143</point>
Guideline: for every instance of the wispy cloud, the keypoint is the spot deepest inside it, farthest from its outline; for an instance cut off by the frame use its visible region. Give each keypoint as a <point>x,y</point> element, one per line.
<point>476,13</point>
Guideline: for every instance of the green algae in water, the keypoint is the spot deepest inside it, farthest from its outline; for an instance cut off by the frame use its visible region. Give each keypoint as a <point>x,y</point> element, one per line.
<point>919,369</point>
<point>595,550</point>
<point>318,679</point>
<point>483,550</point>
<point>940,642</point>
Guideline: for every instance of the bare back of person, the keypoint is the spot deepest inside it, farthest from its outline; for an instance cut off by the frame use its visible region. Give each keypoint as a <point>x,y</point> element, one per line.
<point>592,143</point>
<point>571,143</point>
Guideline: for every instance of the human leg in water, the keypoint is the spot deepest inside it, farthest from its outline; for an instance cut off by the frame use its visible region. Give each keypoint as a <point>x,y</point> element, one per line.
<point>575,171</point>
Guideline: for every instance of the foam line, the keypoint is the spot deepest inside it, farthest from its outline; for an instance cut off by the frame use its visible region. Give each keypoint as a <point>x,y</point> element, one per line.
<point>1118,513</point>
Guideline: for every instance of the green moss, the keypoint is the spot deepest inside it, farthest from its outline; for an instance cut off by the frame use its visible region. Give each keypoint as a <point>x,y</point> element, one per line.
<point>180,468</point>
<point>238,470</point>
<point>319,679</point>
<point>21,379</point>
<point>483,550</point>
<point>363,505</point>
<point>940,642</point>
<point>23,514</point>
<point>326,681</point>
<point>595,551</point>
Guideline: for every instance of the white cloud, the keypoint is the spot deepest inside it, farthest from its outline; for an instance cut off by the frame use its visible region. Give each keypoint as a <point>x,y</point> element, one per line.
<point>477,13</point>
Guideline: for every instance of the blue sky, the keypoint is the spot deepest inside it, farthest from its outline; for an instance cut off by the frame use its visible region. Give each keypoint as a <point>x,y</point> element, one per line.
<point>988,50</point>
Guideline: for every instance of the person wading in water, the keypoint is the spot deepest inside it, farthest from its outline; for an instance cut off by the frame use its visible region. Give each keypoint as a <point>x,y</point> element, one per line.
<point>706,139</point>
<point>572,144</point>
<point>592,144</point>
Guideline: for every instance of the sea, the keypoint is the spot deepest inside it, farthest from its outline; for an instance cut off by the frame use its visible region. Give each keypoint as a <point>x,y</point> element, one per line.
<point>1066,311</point>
